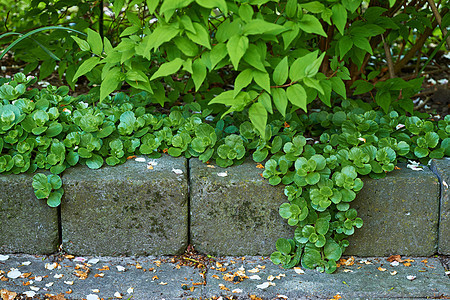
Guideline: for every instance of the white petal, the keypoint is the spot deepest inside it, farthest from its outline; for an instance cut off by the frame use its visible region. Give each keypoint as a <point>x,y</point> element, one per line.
<point>93,261</point>
<point>120,268</point>
<point>264,285</point>
<point>34,288</point>
<point>30,293</point>
<point>411,277</point>
<point>58,276</point>
<point>270,277</point>
<point>395,263</point>
<point>38,278</point>
<point>49,266</point>
<point>237,291</point>
<point>95,291</point>
<point>140,159</point>
<point>26,263</point>
<point>254,270</point>
<point>118,295</point>
<point>92,297</point>
<point>14,273</point>
<point>49,284</point>
<point>255,277</point>
<point>68,282</point>
<point>222,174</point>
<point>3,257</point>
<point>130,290</point>
<point>399,126</point>
<point>299,270</point>
<point>80,259</point>
<point>177,171</point>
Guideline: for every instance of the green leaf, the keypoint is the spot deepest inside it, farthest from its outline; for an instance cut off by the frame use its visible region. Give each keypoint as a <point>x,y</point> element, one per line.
<point>262,79</point>
<point>266,101</point>
<point>168,68</point>
<point>237,46</point>
<point>245,12</point>
<point>283,246</point>
<point>259,26</point>
<point>345,44</point>
<point>276,257</point>
<point>297,96</point>
<point>55,181</point>
<point>151,5</point>
<point>285,210</point>
<point>432,139</point>
<point>311,257</point>
<point>362,87</point>
<point>338,86</point>
<point>199,73</point>
<point>280,100</point>
<point>339,17</point>
<point>297,70</point>
<point>86,67</point>
<point>94,162</point>
<point>54,199</point>
<point>311,24</point>
<point>84,46</point>
<point>281,72</point>
<point>332,250</point>
<point>322,226</point>
<point>95,41</point>
<point>220,4</point>
<point>242,80</point>
<point>315,7</point>
<point>170,5</point>
<point>258,116</point>
<point>110,83</point>
<point>201,36</point>
<point>362,43</point>
<point>312,178</point>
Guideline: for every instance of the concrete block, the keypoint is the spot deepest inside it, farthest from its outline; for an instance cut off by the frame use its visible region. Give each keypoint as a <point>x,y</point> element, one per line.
<point>28,225</point>
<point>441,167</point>
<point>128,209</point>
<point>400,214</point>
<point>236,214</point>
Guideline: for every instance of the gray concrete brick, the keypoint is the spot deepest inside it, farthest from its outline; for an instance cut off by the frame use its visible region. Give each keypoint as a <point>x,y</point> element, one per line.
<point>400,214</point>
<point>127,209</point>
<point>28,225</point>
<point>236,214</point>
<point>441,167</point>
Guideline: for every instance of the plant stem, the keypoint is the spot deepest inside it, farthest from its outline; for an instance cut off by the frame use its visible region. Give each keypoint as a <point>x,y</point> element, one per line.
<point>439,19</point>
<point>390,64</point>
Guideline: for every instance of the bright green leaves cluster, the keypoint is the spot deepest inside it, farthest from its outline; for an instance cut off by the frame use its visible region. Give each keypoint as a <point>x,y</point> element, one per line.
<point>48,187</point>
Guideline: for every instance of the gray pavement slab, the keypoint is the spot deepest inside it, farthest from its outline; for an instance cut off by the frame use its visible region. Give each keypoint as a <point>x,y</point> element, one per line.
<point>400,214</point>
<point>132,209</point>
<point>441,167</point>
<point>28,225</point>
<point>238,277</point>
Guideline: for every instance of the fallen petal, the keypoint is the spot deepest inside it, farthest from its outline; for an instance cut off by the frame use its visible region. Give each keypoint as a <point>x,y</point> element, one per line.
<point>237,291</point>
<point>264,285</point>
<point>411,277</point>
<point>34,288</point>
<point>118,295</point>
<point>68,282</point>
<point>394,273</point>
<point>222,174</point>
<point>140,159</point>
<point>255,277</point>
<point>120,268</point>
<point>26,263</point>
<point>93,261</point>
<point>92,297</point>
<point>130,290</point>
<point>177,171</point>
<point>299,270</point>
<point>3,257</point>
<point>58,276</point>
<point>14,273</point>
<point>30,294</point>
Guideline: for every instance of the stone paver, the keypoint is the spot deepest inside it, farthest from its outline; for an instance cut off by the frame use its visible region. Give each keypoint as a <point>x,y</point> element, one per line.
<point>127,209</point>
<point>147,278</point>
<point>400,214</point>
<point>235,214</point>
<point>28,225</point>
<point>441,167</point>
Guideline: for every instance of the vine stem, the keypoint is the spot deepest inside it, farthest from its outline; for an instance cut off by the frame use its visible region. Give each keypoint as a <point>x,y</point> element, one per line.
<point>439,19</point>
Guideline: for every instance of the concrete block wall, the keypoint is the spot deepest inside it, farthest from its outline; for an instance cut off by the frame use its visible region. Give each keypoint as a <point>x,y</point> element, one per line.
<point>158,209</point>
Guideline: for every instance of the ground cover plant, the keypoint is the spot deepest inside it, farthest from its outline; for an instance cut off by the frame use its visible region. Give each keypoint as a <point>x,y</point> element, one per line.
<point>266,61</point>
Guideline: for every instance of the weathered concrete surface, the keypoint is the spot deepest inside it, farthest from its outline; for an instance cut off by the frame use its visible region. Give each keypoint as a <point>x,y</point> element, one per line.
<point>363,280</point>
<point>127,209</point>
<point>28,225</point>
<point>236,214</point>
<point>441,167</point>
<point>400,214</point>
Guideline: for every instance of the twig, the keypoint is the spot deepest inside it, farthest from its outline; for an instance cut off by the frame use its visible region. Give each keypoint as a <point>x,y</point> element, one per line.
<point>390,64</point>
<point>439,19</point>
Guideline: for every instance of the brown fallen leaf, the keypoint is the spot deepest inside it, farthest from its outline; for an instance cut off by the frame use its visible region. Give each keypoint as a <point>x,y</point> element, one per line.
<point>105,268</point>
<point>138,266</point>
<point>69,292</point>
<point>155,277</point>
<point>223,287</point>
<point>215,276</point>
<point>7,295</point>
<point>69,256</point>
<point>407,264</point>
<point>254,297</point>
<point>336,297</point>
<point>99,275</point>
<point>381,269</point>
<point>260,166</point>
<point>395,258</point>
<point>25,275</point>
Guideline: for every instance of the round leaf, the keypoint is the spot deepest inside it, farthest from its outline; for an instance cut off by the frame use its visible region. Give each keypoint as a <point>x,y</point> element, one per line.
<point>283,246</point>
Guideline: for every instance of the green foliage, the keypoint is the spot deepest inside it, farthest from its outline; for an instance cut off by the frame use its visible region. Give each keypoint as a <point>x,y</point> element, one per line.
<point>49,130</point>
<point>48,187</point>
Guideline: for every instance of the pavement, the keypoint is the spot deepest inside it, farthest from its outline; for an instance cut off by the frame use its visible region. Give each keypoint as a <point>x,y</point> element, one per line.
<point>194,276</point>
